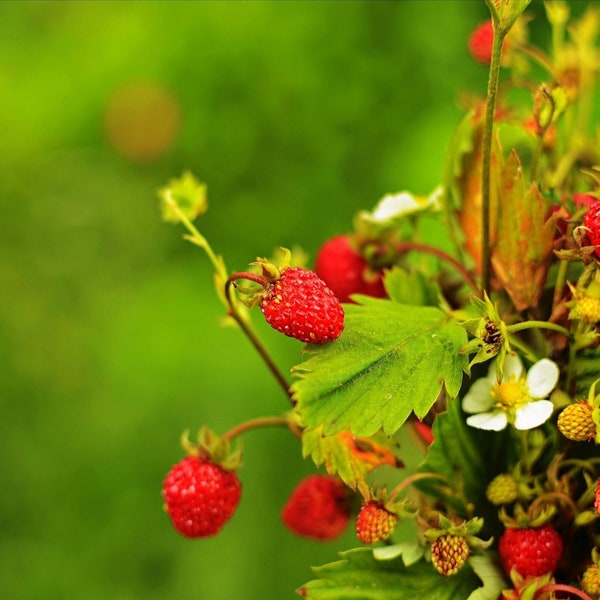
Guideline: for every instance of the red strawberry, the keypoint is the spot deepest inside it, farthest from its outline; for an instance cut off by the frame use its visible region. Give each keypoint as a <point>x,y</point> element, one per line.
<point>200,496</point>
<point>345,271</point>
<point>375,523</point>
<point>318,508</point>
<point>530,551</point>
<point>300,305</point>
<point>591,220</point>
<point>481,42</point>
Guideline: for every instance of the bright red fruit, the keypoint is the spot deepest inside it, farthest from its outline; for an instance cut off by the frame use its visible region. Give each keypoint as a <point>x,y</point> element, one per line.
<point>300,305</point>
<point>531,551</point>
<point>481,42</point>
<point>318,508</point>
<point>591,220</point>
<point>346,272</point>
<point>200,496</point>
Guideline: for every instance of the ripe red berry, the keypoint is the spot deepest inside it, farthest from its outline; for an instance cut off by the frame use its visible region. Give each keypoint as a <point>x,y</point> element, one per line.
<point>300,305</point>
<point>481,41</point>
<point>346,272</point>
<point>375,523</point>
<point>200,496</point>
<point>591,220</point>
<point>530,551</point>
<point>318,508</point>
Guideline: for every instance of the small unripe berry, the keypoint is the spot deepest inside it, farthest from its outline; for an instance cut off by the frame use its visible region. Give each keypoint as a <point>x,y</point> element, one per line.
<point>502,489</point>
<point>575,422</point>
<point>587,309</point>
<point>449,553</point>
<point>374,523</point>
<point>590,582</point>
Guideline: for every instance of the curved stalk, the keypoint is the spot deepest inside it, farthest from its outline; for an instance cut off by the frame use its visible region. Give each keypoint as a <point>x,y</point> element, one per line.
<point>406,246</point>
<point>251,334</point>
<point>259,422</point>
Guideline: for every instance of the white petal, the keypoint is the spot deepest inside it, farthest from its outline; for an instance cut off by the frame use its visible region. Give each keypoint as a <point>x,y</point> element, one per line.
<point>394,205</point>
<point>478,398</point>
<point>512,366</point>
<point>542,378</point>
<point>490,421</point>
<point>533,414</point>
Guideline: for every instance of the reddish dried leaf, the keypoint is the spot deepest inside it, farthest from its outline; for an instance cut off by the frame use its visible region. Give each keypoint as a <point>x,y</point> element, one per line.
<point>522,254</point>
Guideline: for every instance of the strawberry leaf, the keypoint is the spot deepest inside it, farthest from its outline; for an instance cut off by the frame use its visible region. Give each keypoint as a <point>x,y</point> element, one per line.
<point>347,456</point>
<point>410,288</point>
<point>359,575</point>
<point>391,360</point>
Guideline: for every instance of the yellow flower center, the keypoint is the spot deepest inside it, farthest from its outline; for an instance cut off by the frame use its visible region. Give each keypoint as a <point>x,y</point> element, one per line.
<point>510,394</point>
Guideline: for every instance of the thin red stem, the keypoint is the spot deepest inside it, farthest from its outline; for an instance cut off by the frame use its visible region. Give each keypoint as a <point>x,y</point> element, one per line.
<point>261,422</point>
<point>560,587</point>
<point>407,246</point>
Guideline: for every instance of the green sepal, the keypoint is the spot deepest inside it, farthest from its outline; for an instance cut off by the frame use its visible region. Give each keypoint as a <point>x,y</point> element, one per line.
<point>213,447</point>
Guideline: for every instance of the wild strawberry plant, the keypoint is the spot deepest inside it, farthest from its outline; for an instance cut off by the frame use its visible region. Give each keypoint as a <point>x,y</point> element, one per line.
<point>489,354</point>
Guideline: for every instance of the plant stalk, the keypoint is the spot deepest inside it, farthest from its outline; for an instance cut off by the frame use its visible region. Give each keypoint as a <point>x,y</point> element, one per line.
<point>488,128</point>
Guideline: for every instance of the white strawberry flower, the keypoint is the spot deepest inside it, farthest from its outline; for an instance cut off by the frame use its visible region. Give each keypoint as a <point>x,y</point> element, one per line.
<point>519,399</point>
<point>392,206</point>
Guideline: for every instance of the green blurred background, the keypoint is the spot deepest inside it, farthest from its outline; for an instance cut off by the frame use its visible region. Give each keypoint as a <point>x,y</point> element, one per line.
<point>296,115</point>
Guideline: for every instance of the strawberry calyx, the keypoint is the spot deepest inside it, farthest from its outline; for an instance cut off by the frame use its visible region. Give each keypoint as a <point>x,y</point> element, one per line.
<point>265,275</point>
<point>214,448</point>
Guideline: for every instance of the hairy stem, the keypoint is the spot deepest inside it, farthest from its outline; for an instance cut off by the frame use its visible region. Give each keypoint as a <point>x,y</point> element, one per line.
<point>488,127</point>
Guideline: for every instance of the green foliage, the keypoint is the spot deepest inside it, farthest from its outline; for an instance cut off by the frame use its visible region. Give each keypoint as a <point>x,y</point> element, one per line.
<point>469,458</point>
<point>360,576</point>
<point>391,360</point>
<point>412,288</point>
<point>348,457</point>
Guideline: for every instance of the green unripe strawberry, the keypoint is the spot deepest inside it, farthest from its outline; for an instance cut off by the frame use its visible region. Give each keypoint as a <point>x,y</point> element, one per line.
<point>502,489</point>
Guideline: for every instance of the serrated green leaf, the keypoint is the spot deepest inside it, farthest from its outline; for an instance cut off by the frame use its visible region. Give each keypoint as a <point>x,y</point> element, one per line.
<point>410,288</point>
<point>469,458</point>
<point>391,360</point>
<point>347,456</point>
<point>360,576</point>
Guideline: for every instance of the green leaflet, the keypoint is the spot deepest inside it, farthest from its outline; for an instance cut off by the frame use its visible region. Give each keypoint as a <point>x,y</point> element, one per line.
<point>391,360</point>
<point>360,576</point>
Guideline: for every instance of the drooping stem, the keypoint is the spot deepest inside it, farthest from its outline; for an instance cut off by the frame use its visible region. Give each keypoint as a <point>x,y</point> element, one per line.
<point>548,497</point>
<point>416,477</point>
<point>561,587</point>
<point>249,331</point>
<point>406,246</point>
<point>259,422</point>
<point>488,127</point>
